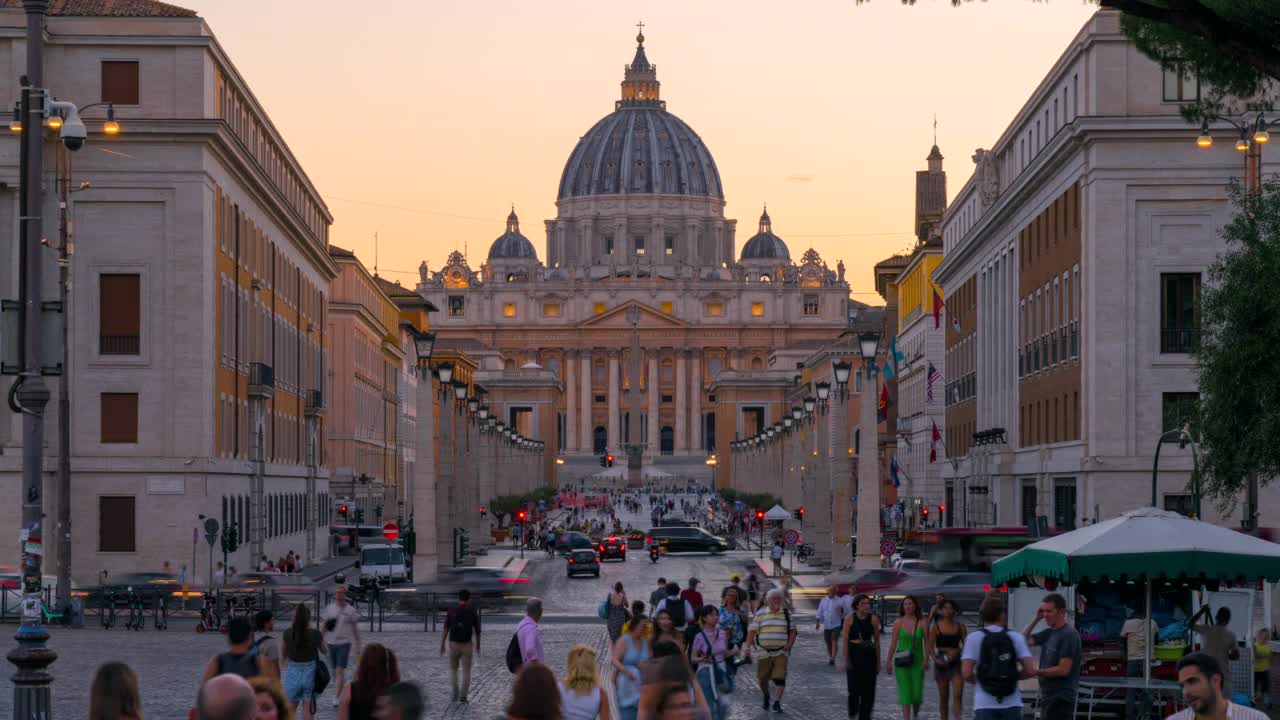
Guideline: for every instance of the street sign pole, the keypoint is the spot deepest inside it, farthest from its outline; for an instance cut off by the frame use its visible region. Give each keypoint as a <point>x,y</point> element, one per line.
<point>211,535</point>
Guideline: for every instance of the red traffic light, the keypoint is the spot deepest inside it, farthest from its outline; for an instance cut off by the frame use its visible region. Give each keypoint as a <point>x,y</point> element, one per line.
<point>520,516</point>
<point>942,508</point>
<point>925,512</point>
<point>801,511</point>
<point>759,514</point>
<point>343,510</point>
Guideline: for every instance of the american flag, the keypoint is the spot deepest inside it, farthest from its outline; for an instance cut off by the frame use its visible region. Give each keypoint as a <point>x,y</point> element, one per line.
<point>934,375</point>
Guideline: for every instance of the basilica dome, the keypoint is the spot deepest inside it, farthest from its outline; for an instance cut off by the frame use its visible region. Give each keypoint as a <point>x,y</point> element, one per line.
<point>511,244</point>
<point>764,245</point>
<point>640,148</point>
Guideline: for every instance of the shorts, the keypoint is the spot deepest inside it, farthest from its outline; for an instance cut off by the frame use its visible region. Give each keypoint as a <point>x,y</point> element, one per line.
<point>771,667</point>
<point>340,655</point>
<point>830,635</point>
<point>300,681</point>
<point>944,673</point>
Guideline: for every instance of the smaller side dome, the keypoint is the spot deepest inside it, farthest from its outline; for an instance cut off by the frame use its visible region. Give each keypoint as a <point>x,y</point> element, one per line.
<point>764,245</point>
<point>511,244</point>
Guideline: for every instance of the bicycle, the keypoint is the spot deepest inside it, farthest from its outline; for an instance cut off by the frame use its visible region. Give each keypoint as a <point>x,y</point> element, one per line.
<point>210,619</point>
<point>804,552</point>
<point>137,616</point>
<point>108,615</point>
<point>50,616</point>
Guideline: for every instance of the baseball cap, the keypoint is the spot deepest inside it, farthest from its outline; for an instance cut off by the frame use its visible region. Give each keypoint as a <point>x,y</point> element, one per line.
<point>735,576</point>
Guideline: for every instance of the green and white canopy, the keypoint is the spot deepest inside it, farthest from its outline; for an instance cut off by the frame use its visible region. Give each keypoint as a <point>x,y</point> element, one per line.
<point>1144,544</point>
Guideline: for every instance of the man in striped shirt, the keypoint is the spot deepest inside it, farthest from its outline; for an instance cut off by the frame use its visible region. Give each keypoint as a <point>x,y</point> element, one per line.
<point>771,632</point>
<point>1201,678</point>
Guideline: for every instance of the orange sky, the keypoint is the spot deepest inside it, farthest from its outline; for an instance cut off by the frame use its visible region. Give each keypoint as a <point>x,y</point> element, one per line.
<point>424,121</point>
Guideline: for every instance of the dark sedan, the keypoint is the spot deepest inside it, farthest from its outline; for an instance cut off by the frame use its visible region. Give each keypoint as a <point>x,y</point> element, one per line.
<point>569,541</point>
<point>583,562</point>
<point>686,539</point>
<point>490,587</point>
<point>613,547</point>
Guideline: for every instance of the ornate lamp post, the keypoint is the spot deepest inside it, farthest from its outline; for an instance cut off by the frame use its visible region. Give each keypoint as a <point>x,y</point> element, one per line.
<point>868,520</point>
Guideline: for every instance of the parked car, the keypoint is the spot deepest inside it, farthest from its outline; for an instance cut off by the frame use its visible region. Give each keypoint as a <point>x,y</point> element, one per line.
<point>572,540</point>
<point>583,562</point>
<point>613,547</point>
<point>968,590</point>
<point>686,539</point>
<point>871,582</point>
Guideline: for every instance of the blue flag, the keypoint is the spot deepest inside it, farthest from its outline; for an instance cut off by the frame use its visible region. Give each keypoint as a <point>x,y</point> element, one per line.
<point>893,471</point>
<point>888,370</point>
<point>894,355</point>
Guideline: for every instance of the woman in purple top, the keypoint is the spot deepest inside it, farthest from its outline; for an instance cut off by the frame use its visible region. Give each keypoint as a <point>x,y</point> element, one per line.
<point>710,653</point>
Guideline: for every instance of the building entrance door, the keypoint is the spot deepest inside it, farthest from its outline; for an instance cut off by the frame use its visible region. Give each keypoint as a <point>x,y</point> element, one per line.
<point>600,440</point>
<point>667,445</point>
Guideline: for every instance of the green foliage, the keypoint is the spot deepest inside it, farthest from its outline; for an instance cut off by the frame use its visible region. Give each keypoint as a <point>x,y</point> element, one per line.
<point>505,505</point>
<point>762,501</point>
<point>1240,333</point>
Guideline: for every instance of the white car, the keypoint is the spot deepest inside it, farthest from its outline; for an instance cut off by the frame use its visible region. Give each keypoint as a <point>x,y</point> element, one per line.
<point>914,566</point>
<point>383,560</point>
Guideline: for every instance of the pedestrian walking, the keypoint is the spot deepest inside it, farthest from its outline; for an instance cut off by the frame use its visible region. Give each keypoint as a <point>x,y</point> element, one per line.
<point>1262,668</point>
<point>582,697</point>
<point>658,595</point>
<point>219,575</point>
<point>860,657</point>
<point>1137,633</point>
<point>711,655</point>
<point>906,657</point>
<point>637,613</point>
<point>528,637</point>
<point>692,596</point>
<point>996,658</point>
<point>1217,640</point>
<point>377,670</point>
<point>830,620</point>
<point>775,554</point>
<point>264,643</point>
<point>1059,667</point>
<point>734,621</point>
<point>773,635</point>
<point>734,587</point>
<point>1204,691</point>
<point>239,659</point>
<point>225,697</point>
<point>680,610</point>
<point>268,699</point>
<point>113,694</point>
<point>341,633</point>
<point>629,653</point>
<point>303,645</point>
<point>664,630</point>
<point>753,593</point>
<point>401,701</point>
<point>535,694</point>
<point>944,643</point>
<point>463,635</point>
<point>669,667</point>
<point>616,612</point>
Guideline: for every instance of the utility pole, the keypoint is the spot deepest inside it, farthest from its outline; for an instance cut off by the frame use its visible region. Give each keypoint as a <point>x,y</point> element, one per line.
<point>64,386</point>
<point>31,693</point>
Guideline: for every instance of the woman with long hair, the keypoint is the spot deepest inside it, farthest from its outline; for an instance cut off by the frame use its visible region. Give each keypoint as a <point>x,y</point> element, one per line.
<point>669,667</point>
<point>629,653</point>
<point>734,622</point>
<point>711,655</point>
<point>378,670</point>
<point>906,658</point>
<point>303,645</point>
<point>943,644</point>
<point>535,694</point>
<point>616,612</point>
<point>268,699</point>
<point>664,630</point>
<point>674,703</point>
<point>114,693</point>
<point>582,696</point>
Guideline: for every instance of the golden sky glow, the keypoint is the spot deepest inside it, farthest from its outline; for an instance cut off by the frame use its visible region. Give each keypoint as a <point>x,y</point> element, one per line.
<point>423,121</point>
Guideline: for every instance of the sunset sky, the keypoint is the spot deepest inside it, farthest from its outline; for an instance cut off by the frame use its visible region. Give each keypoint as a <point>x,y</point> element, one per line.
<point>423,121</point>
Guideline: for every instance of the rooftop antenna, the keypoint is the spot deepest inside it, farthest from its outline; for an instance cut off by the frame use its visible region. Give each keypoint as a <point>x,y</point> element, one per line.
<point>935,128</point>
<point>375,253</point>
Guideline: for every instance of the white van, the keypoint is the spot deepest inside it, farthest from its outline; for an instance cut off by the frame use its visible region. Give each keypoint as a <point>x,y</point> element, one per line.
<point>383,560</point>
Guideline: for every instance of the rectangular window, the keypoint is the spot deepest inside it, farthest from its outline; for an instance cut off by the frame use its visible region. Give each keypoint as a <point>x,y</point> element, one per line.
<point>757,309</point>
<point>119,314</point>
<point>1178,409</point>
<point>608,244</point>
<point>551,309</point>
<point>117,531</point>
<point>1179,321</point>
<point>1181,504</point>
<point>669,245</point>
<point>598,308</point>
<point>638,243</point>
<point>457,306</point>
<point>1180,85</point>
<point>120,82</point>
<point>1064,503</point>
<point>1028,502</point>
<point>715,309</point>
<point>667,306</point>
<point>119,418</point>
<point>810,304</point>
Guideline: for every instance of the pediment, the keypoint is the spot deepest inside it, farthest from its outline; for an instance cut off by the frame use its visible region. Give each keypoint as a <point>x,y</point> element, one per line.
<point>617,318</point>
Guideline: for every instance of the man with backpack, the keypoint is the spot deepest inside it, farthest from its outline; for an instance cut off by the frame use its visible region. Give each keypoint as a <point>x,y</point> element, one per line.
<point>680,610</point>
<point>264,643</point>
<point>996,658</point>
<point>1059,670</point>
<point>772,633</point>
<point>239,659</point>
<point>463,634</point>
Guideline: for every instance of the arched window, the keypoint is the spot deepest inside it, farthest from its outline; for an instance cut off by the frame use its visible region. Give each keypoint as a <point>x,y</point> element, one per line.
<point>667,441</point>
<point>764,278</point>
<point>553,364</point>
<point>668,371</point>
<point>714,363</point>
<point>757,363</point>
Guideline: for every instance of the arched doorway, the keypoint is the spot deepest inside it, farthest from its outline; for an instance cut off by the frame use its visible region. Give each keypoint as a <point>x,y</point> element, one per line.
<point>600,439</point>
<point>667,444</point>
<point>709,432</point>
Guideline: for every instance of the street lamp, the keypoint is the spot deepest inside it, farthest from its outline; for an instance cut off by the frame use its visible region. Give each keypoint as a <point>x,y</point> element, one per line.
<point>810,404</point>
<point>1182,438</point>
<point>1253,134</point>
<point>824,392</point>
<point>797,412</point>
<point>868,346</point>
<point>444,371</point>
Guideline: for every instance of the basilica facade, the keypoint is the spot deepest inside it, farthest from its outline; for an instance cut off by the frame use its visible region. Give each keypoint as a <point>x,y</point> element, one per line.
<point>640,240</point>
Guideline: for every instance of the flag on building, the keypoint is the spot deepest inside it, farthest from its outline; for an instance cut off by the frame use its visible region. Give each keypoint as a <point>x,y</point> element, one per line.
<point>895,356</point>
<point>937,309</point>
<point>888,370</point>
<point>882,409</point>
<point>936,436</point>
<point>933,378</point>
<point>893,471</point>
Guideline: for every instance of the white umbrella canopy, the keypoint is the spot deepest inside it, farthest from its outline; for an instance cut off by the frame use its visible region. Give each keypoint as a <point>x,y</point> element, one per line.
<point>1145,543</point>
<point>777,512</point>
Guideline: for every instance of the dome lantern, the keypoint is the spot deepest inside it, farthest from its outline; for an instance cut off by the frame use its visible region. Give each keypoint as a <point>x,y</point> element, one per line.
<point>640,86</point>
<point>764,245</point>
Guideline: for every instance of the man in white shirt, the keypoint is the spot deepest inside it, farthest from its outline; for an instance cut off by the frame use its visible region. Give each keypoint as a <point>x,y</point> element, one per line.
<point>1201,678</point>
<point>680,610</point>
<point>831,613</point>
<point>1135,649</point>
<point>987,704</point>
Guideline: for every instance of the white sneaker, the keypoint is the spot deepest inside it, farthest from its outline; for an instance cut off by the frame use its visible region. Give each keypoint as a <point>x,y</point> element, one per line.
<point>335,700</point>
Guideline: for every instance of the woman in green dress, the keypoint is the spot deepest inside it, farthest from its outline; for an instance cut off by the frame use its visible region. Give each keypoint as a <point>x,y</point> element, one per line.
<point>907,636</point>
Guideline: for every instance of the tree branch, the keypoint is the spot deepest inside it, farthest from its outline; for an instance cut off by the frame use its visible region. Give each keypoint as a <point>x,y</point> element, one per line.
<point>1193,18</point>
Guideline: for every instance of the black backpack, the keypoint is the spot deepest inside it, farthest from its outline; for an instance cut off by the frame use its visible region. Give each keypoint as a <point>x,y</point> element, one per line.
<point>246,665</point>
<point>676,610</point>
<point>462,624</point>
<point>514,657</point>
<point>998,665</point>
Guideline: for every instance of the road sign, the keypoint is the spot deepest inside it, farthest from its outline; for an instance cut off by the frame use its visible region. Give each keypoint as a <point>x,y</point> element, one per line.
<point>390,531</point>
<point>211,531</point>
<point>887,548</point>
<point>791,537</point>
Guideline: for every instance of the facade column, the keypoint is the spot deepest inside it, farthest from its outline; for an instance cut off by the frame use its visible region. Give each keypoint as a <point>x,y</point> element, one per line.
<point>868,527</point>
<point>426,557</point>
<point>585,430</point>
<point>682,400</point>
<point>696,441</point>
<point>571,404</point>
<point>614,396</point>
<point>655,440</point>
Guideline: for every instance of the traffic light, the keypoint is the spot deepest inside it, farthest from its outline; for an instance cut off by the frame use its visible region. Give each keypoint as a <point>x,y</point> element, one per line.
<point>521,516</point>
<point>604,461</point>
<point>230,539</point>
<point>359,515</point>
<point>464,542</point>
<point>608,460</point>
<point>482,513</point>
<point>342,512</point>
<point>924,513</point>
<point>800,513</point>
<point>942,508</point>
<point>759,516</point>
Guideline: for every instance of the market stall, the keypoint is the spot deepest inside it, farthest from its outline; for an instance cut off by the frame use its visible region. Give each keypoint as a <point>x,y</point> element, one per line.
<point>1161,554</point>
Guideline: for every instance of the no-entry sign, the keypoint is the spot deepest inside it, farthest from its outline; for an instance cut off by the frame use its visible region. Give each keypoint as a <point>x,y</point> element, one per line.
<point>390,531</point>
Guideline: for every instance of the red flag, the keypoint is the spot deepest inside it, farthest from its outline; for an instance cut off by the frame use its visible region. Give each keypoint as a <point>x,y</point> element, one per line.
<point>937,309</point>
<point>933,455</point>
<point>936,434</point>
<point>882,408</point>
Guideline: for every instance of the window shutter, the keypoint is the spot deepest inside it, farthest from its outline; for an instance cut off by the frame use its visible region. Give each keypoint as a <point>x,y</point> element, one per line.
<point>120,82</point>
<point>119,417</point>
<point>116,527</point>
<point>119,314</point>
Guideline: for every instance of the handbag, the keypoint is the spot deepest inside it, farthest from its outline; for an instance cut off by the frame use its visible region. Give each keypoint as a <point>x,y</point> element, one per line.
<point>904,658</point>
<point>603,610</point>
<point>720,678</point>
<point>321,678</point>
